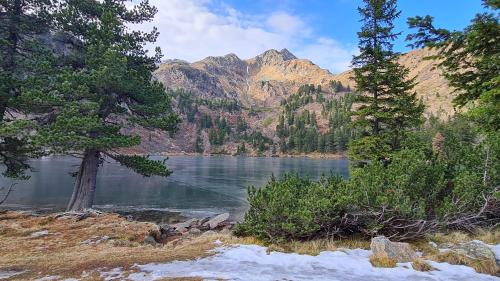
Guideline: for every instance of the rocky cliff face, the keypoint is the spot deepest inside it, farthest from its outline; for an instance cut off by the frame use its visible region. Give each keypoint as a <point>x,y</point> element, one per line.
<point>260,81</point>
<point>258,85</point>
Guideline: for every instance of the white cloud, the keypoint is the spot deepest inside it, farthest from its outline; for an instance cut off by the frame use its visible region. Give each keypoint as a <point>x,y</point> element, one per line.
<point>328,54</point>
<point>194,29</point>
<point>282,22</point>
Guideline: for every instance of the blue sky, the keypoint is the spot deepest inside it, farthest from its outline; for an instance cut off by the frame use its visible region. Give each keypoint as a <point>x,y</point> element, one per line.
<point>323,31</point>
<point>339,19</point>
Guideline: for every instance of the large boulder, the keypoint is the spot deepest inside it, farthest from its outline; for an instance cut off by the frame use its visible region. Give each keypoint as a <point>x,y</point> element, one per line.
<point>183,227</point>
<point>475,250</point>
<point>397,251</point>
<point>217,221</point>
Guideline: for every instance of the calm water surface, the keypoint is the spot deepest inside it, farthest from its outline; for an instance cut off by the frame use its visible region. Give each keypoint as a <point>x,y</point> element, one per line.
<point>199,185</point>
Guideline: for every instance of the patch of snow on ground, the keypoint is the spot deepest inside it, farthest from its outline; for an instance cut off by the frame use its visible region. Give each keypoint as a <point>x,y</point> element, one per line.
<point>114,274</point>
<point>252,262</point>
<point>496,251</point>
<point>9,273</point>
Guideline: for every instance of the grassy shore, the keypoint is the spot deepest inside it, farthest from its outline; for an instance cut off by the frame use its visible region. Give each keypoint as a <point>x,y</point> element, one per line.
<point>69,246</point>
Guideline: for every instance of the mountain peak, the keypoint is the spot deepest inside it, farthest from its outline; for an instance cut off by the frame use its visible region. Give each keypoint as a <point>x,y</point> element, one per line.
<point>287,54</point>
<point>273,56</point>
<point>227,60</point>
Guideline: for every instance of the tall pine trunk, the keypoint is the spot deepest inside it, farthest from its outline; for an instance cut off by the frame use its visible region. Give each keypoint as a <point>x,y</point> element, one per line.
<point>84,189</point>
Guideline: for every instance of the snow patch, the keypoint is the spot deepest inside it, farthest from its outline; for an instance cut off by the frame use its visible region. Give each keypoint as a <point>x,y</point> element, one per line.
<point>9,273</point>
<point>39,234</point>
<point>496,250</point>
<point>252,262</point>
<point>113,274</point>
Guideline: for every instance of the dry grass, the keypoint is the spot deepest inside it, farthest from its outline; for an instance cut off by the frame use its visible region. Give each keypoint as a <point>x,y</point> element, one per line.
<point>61,253</point>
<point>421,265</point>
<point>314,247</point>
<point>382,261</point>
<point>452,238</point>
<point>487,236</point>
<point>481,266</point>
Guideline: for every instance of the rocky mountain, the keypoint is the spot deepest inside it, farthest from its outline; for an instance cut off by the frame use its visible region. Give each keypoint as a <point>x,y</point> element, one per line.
<point>260,81</point>
<point>273,75</point>
<point>257,92</point>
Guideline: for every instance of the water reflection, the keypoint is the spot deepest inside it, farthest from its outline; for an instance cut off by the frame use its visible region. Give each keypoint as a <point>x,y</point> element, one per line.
<point>198,184</point>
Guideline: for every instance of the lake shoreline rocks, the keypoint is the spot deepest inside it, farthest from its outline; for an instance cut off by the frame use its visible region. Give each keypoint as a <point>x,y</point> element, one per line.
<point>177,228</point>
<point>174,233</point>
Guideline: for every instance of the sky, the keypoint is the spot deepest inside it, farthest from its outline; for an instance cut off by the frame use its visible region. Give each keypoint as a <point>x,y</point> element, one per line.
<point>323,31</point>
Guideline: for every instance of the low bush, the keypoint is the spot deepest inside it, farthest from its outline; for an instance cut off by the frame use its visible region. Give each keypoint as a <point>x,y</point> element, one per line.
<point>292,208</point>
<point>424,188</point>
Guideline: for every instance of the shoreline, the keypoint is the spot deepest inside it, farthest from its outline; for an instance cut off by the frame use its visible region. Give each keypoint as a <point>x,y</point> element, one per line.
<point>97,245</point>
<point>319,156</point>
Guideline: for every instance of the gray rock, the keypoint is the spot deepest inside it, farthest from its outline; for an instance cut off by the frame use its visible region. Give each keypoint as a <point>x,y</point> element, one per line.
<point>400,252</point>
<point>39,234</point>
<point>184,226</point>
<point>168,230</point>
<point>217,221</point>
<point>182,229</point>
<point>87,242</point>
<point>208,233</point>
<point>475,250</point>
<point>191,222</point>
<point>203,221</point>
<point>95,240</point>
<point>195,231</point>
<point>150,240</point>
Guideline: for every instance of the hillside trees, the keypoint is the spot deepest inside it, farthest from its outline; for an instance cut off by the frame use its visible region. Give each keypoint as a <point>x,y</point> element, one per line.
<point>388,107</point>
<point>110,84</point>
<point>298,129</point>
<point>218,133</point>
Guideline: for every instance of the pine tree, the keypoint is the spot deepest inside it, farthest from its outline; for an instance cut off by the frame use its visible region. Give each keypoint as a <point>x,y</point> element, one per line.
<point>198,145</point>
<point>470,59</point>
<point>110,85</point>
<point>388,108</point>
<point>25,64</point>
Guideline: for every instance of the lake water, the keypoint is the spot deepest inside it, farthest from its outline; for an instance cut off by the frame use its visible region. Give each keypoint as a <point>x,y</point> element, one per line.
<point>198,186</point>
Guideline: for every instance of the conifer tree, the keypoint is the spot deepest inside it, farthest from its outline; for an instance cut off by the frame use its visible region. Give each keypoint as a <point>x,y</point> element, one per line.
<point>470,60</point>
<point>25,66</point>
<point>109,86</point>
<point>388,107</point>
